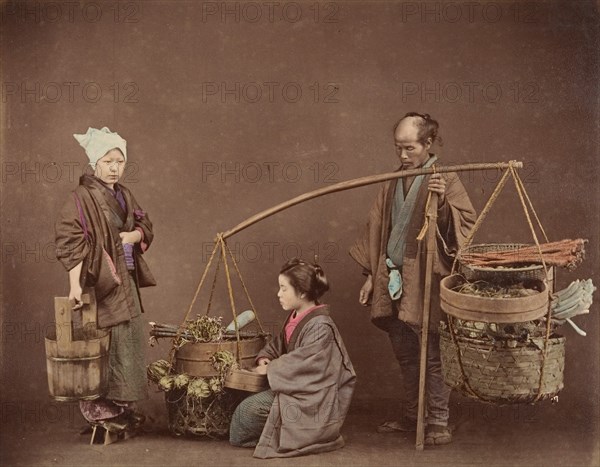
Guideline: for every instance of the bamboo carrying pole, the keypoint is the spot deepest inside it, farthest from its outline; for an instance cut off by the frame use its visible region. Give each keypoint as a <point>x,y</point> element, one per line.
<point>430,251</point>
<point>363,181</point>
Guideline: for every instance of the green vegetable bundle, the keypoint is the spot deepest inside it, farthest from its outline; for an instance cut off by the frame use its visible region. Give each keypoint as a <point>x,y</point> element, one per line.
<point>157,370</point>
<point>205,329</point>
<point>222,361</point>
<point>198,389</point>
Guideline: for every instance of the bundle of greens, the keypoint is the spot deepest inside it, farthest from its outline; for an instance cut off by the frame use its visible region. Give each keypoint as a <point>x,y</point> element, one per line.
<point>202,329</point>
<point>157,370</point>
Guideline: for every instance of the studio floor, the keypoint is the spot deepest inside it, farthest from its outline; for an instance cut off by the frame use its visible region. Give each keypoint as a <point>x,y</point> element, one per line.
<point>43,433</point>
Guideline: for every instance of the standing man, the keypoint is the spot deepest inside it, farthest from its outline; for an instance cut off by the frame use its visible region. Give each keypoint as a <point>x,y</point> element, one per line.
<point>394,262</point>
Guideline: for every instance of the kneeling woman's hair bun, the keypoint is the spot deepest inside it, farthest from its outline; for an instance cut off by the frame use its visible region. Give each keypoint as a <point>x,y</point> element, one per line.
<point>306,278</point>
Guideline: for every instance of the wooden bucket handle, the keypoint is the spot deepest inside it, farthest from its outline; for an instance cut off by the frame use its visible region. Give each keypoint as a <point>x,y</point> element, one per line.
<point>88,312</point>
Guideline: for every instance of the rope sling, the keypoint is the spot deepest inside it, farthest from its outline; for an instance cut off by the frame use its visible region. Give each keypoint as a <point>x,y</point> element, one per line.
<point>527,206</point>
<point>224,250</point>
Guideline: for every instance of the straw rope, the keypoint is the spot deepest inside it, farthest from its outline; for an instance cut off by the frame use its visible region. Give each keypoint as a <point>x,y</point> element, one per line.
<point>180,329</point>
<point>221,240</point>
<point>235,265</point>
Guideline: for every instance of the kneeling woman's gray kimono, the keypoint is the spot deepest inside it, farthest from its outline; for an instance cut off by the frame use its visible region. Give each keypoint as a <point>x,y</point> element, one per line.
<point>313,380</point>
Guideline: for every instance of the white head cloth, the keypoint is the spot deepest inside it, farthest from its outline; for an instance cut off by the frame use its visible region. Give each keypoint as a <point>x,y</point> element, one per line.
<point>98,142</point>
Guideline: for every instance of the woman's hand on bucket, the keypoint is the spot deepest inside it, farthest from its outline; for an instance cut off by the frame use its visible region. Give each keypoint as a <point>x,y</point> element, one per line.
<point>75,297</point>
<point>75,287</point>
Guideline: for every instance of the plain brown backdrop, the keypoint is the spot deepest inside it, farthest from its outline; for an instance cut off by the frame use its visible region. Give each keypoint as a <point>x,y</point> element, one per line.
<point>228,110</point>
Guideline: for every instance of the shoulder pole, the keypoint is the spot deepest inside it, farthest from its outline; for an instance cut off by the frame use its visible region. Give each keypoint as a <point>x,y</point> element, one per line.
<point>363,181</point>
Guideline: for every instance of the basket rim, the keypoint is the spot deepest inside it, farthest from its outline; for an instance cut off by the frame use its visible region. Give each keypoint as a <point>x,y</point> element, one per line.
<point>531,267</point>
<point>445,334</point>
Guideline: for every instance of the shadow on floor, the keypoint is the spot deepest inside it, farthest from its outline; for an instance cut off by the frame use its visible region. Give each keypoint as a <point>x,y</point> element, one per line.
<point>46,433</point>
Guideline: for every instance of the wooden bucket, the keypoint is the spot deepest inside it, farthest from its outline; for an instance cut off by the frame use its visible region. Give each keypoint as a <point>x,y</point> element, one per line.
<point>76,360</point>
<point>491,309</point>
<point>194,358</point>
<point>246,380</point>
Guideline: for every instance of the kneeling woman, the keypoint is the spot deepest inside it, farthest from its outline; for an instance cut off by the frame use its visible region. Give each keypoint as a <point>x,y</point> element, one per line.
<point>310,376</point>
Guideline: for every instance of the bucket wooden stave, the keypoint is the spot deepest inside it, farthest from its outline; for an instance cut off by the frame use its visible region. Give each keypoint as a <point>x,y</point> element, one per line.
<point>76,360</point>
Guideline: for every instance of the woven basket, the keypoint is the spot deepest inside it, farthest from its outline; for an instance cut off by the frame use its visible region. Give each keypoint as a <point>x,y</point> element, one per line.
<point>501,274</point>
<point>501,374</point>
<point>209,417</point>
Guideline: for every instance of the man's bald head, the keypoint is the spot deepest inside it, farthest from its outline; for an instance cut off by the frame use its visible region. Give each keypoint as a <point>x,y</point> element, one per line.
<point>426,126</point>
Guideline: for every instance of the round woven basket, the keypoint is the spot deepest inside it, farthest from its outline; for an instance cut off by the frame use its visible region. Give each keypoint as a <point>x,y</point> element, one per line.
<point>209,417</point>
<point>501,274</point>
<point>497,373</point>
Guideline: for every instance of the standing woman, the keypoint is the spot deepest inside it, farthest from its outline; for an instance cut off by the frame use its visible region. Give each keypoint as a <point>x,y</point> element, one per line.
<point>310,376</point>
<point>101,233</point>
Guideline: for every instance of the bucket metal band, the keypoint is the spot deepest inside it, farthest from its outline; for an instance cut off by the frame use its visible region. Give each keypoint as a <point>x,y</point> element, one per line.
<point>75,359</point>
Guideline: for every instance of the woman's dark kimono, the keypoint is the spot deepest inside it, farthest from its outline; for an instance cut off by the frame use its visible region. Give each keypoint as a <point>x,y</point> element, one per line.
<point>118,301</point>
